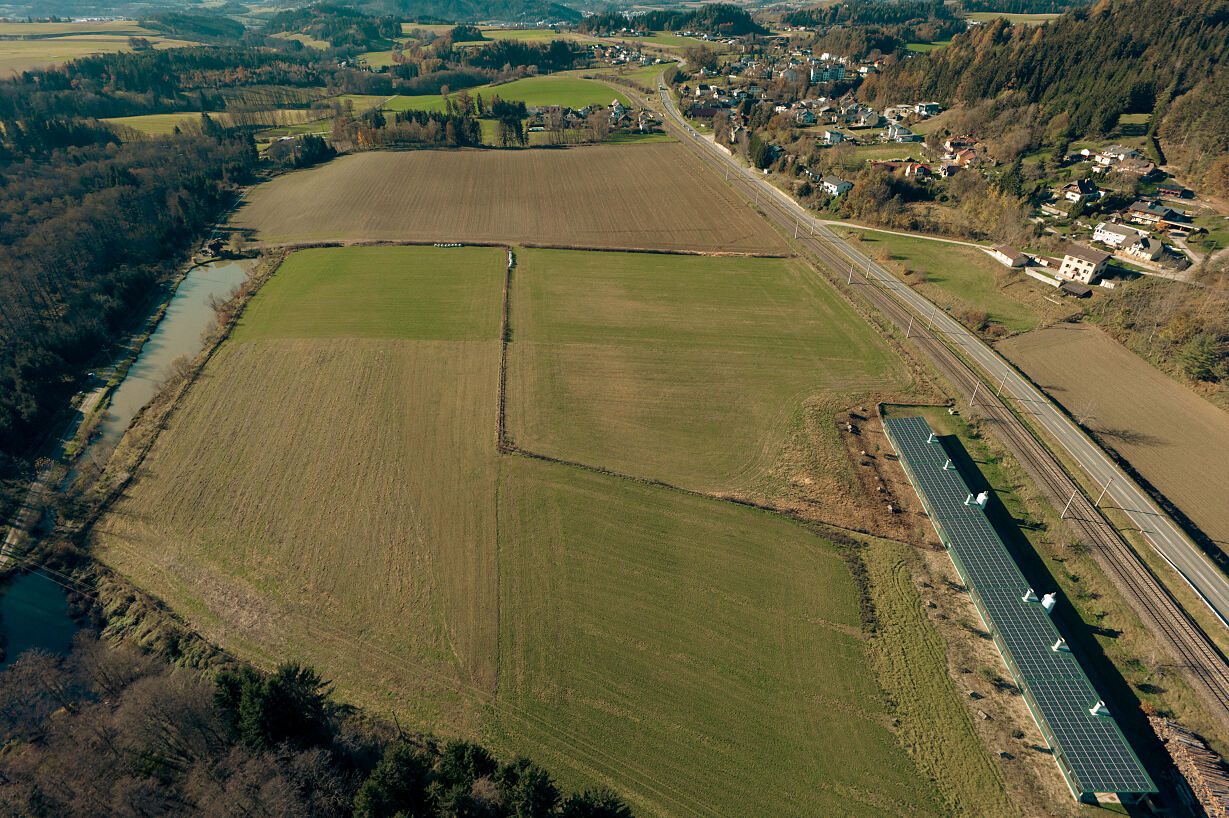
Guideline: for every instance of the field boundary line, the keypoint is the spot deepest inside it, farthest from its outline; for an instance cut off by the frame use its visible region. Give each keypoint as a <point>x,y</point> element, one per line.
<point>339,243</point>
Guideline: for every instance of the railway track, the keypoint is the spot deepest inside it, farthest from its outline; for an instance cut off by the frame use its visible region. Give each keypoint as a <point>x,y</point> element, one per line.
<point>1197,658</point>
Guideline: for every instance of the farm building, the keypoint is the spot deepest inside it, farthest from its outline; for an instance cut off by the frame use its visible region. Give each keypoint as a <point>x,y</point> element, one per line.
<point>1075,288</point>
<point>1005,254</point>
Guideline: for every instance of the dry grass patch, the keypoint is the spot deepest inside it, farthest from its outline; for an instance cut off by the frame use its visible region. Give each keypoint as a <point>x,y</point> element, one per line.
<point>652,196</point>
<point>1174,438</point>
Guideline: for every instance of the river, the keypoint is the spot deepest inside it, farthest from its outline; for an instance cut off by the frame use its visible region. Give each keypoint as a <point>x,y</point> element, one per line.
<point>178,333</point>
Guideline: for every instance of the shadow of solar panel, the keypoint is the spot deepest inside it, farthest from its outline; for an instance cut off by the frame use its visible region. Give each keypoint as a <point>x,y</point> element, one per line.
<point>1091,750</point>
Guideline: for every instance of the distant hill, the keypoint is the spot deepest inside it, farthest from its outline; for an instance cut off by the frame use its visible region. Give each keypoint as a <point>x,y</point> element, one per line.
<point>468,11</point>
<point>1083,70</point>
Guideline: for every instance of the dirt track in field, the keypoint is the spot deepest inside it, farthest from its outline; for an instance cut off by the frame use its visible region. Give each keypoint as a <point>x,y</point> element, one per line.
<point>1176,440</point>
<point>635,197</point>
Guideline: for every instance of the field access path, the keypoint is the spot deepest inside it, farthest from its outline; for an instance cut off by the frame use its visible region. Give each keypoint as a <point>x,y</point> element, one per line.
<point>949,345</point>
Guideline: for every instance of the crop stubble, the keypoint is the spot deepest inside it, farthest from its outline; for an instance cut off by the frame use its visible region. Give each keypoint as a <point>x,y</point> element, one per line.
<point>1174,438</point>
<point>641,197</point>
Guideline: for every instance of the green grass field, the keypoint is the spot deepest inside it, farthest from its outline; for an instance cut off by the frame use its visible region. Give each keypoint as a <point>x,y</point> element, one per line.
<point>24,55</point>
<point>1014,19</point>
<point>642,363</point>
<point>957,277</point>
<point>533,91</point>
<point>529,35</point>
<point>327,491</point>
<point>888,150</point>
<point>155,124</point>
<point>330,491</point>
<point>305,39</point>
<point>381,292</point>
<point>923,47</point>
<point>700,656</point>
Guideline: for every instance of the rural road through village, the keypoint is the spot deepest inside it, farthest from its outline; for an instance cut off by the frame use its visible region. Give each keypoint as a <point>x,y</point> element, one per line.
<point>1120,491</point>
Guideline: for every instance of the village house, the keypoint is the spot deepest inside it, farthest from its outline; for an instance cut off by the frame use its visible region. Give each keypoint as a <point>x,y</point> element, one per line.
<point>1082,264</point>
<point>1005,254</point>
<point>1173,189</point>
<point>835,185</point>
<point>832,137</point>
<point>804,117</point>
<point>1145,248</point>
<point>1116,235</point>
<point>965,158</point>
<point>895,132</point>
<point>1080,189</point>
<point>1160,217</point>
<point>926,108</point>
<point>1112,155</point>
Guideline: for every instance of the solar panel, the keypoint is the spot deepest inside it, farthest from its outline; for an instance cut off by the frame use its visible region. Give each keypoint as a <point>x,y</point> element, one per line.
<point>1090,748</point>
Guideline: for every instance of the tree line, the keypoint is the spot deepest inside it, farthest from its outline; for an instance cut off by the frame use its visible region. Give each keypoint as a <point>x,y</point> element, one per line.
<point>339,26</point>
<point>111,731</point>
<point>87,232</point>
<point>715,18</point>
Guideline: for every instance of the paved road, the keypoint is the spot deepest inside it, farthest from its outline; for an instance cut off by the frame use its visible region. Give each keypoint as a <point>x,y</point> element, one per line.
<point>1120,491</point>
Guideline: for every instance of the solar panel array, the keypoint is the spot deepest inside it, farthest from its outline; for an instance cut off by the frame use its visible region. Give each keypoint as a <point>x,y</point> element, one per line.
<point>1091,750</point>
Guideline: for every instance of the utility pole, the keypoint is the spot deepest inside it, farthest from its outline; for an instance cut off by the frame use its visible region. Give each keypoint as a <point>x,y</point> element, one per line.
<point>1001,382</point>
<point>910,328</point>
<point>1072,499</point>
<point>1104,489</point>
<point>973,400</point>
<point>850,281</point>
<point>796,226</point>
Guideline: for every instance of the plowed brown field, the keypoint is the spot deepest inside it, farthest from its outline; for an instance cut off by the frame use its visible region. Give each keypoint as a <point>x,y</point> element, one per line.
<point>1174,438</point>
<point>653,196</point>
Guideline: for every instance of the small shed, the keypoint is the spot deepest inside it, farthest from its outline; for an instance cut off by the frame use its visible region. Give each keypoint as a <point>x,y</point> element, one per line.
<point>1075,288</point>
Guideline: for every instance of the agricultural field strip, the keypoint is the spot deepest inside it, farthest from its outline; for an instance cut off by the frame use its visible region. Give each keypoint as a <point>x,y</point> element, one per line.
<point>624,197</point>
<point>635,363</point>
<point>1174,438</point>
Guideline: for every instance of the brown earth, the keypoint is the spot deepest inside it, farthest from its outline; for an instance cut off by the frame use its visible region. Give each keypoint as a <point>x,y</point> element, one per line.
<point>637,197</point>
<point>1176,440</point>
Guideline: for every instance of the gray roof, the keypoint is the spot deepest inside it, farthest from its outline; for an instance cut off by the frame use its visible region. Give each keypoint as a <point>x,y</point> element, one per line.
<point>1119,230</point>
<point>1086,253</point>
<point>833,180</point>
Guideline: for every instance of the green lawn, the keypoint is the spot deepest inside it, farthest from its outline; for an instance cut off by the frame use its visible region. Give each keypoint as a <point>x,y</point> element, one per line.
<point>530,35</point>
<point>957,276</point>
<point>890,150</point>
<point>1015,19</point>
<point>687,369</point>
<point>702,657</point>
<point>305,39</point>
<point>154,124</point>
<point>391,292</point>
<point>927,46</point>
<point>572,92</point>
<point>672,42</point>
<point>378,59</point>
